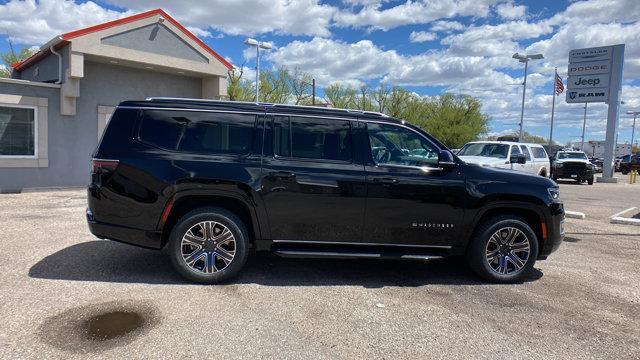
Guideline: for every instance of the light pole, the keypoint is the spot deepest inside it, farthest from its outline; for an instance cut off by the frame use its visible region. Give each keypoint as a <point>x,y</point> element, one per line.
<point>633,130</point>
<point>525,59</point>
<point>259,45</point>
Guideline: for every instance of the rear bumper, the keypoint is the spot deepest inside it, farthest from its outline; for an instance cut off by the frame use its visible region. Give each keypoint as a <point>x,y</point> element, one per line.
<point>137,237</point>
<point>555,231</point>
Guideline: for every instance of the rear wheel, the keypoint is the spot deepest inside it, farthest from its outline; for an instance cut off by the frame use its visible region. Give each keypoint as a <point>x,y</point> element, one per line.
<point>208,245</point>
<point>503,249</point>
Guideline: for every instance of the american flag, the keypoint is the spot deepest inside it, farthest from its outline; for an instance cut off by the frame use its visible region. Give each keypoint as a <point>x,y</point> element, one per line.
<point>559,85</point>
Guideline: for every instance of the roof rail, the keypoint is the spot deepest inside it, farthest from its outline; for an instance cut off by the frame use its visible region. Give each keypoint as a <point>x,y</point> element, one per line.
<point>164,98</point>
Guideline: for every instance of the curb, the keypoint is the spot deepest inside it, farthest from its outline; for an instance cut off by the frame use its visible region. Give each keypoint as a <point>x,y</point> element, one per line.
<point>575,215</point>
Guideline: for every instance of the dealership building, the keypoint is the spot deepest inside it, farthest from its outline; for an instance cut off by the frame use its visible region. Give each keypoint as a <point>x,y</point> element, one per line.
<point>57,103</point>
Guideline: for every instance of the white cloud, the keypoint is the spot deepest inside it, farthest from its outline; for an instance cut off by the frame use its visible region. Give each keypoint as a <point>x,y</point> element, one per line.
<point>511,12</point>
<point>422,36</point>
<point>30,22</point>
<point>245,17</point>
<point>412,12</point>
<point>446,26</point>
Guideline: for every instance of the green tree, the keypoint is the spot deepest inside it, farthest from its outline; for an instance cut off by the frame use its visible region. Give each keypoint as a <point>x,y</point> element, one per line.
<point>239,88</point>
<point>11,57</point>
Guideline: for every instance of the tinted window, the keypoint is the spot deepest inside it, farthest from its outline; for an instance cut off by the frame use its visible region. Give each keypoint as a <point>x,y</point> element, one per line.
<point>526,153</point>
<point>312,138</point>
<point>515,150</point>
<point>572,155</point>
<point>396,145</point>
<point>198,132</point>
<point>17,131</point>
<point>538,152</point>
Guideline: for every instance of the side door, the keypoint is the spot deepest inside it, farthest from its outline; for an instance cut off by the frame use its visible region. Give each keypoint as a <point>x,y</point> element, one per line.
<point>530,165</point>
<point>410,201</point>
<point>312,185</point>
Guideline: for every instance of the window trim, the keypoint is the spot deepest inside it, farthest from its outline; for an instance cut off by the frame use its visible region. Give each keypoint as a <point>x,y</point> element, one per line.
<point>304,159</point>
<point>35,131</point>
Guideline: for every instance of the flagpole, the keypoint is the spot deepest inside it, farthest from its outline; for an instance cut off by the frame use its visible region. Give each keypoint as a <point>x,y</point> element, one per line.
<point>553,108</point>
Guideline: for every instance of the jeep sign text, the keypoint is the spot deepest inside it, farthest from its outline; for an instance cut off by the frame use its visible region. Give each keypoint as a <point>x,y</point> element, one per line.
<point>588,81</point>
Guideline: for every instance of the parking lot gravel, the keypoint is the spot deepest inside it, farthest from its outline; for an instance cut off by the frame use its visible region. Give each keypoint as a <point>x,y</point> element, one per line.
<point>59,282</point>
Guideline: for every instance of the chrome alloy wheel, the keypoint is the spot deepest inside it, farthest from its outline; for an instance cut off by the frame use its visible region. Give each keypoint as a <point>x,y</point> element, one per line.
<point>208,247</point>
<point>508,250</point>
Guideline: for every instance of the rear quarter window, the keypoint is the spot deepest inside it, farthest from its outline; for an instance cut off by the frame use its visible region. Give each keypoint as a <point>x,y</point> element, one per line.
<point>198,132</point>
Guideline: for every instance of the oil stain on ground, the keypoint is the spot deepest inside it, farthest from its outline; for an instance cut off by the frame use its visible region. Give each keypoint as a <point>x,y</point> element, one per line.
<point>98,327</point>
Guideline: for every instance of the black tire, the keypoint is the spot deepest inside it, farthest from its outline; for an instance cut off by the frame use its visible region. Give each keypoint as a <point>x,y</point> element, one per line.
<point>477,249</point>
<point>590,181</point>
<point>624,171</point>
<point>193,218</point>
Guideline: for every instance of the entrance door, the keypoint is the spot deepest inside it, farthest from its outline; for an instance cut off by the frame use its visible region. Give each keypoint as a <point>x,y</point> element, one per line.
<point>410,200</point>
<point>313,189</point>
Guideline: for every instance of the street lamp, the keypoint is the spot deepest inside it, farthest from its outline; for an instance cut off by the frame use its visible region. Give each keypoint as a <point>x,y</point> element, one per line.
<point>259,45</point>
<point>633,130</point>
<point>525,59</point>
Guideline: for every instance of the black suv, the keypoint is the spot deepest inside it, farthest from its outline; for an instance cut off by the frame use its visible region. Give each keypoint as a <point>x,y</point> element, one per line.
<point>210,181</point>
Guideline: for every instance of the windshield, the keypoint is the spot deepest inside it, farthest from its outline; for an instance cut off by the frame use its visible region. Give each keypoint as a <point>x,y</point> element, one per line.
<point>499,151</point>
<point>572,155</point>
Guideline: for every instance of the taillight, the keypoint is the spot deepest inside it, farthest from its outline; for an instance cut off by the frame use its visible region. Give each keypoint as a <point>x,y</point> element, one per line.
<point>99,166</point>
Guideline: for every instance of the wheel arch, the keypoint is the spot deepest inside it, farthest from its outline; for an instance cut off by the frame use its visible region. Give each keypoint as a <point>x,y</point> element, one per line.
<point>529,212</point>
<point>182,203</point>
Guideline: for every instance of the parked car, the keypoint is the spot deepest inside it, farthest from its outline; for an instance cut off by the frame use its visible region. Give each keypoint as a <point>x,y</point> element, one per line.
<point>597,164</point>
<point>531,158</point>
<point>632,164</point>
<point>570,164</point>
<point>210,181</point>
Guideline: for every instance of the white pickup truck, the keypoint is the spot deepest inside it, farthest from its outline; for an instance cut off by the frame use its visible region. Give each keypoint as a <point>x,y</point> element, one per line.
<point>527,157</point>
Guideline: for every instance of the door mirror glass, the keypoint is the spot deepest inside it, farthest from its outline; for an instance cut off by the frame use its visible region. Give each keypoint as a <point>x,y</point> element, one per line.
<point>518,159</point>
<point>445,159</point>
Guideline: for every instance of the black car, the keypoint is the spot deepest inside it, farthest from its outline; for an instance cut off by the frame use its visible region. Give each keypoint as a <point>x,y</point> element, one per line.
<point>570,164</point>
<point>210,181</point>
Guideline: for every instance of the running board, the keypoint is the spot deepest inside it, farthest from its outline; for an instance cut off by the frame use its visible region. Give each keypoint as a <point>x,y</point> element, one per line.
<point>341,254</point>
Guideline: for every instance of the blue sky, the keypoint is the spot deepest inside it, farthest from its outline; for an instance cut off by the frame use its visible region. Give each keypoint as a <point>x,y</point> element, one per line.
<point>428,46</point>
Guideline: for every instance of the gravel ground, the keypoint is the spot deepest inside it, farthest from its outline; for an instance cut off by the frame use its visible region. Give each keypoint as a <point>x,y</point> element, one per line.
<point>57,280</point>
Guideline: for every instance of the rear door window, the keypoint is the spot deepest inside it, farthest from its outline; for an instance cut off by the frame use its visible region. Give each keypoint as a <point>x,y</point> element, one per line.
<point>311,138</point>
<point>198,132</point>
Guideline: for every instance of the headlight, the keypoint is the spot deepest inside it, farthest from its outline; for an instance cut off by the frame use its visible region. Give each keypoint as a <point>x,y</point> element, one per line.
<point>554,193</point>
<point>590,166</point>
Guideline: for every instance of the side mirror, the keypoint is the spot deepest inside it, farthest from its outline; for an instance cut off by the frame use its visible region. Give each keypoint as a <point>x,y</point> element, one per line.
<point>519,159</point>
<point>445,159</point>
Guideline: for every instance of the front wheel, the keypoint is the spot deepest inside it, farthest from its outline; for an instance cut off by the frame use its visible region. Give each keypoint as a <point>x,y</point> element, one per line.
<point>503,249</point>
<point>624,171</point>
<point>208,245</point>
<point>590,181</point>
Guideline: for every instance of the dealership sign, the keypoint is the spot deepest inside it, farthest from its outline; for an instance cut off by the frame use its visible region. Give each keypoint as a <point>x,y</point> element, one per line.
<point>589,74</point>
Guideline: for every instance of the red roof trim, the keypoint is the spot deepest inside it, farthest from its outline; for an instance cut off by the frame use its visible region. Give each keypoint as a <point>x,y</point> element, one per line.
<point>125,20</point>
<point>21,65</point>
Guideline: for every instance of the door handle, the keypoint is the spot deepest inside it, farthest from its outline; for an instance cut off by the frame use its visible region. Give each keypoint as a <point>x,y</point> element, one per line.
<point>282,174</point>
<point>385,180</point>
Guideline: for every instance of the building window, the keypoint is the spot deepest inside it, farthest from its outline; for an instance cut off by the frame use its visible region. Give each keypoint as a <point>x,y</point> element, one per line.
<point>17,131</point>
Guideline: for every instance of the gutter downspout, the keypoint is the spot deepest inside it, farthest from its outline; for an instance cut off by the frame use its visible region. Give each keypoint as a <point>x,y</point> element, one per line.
<point>53,51</point>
